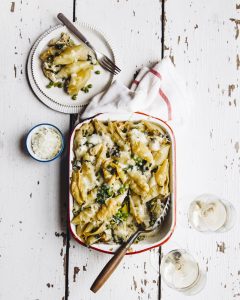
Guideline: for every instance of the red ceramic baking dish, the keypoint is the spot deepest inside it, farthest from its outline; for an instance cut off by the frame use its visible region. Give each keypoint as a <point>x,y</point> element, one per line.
<point>165,231</point>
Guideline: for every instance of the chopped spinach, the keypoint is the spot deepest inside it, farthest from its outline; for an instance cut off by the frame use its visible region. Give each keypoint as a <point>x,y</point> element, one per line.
<point>119,217</point>
<point>141,164</point>
<point>114,151</point>
<point>111,170</point>
<point>129,167</point>
<point>103,193</point>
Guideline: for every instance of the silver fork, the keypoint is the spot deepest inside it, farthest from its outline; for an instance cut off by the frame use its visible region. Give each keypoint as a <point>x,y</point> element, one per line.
<point>102,59</point>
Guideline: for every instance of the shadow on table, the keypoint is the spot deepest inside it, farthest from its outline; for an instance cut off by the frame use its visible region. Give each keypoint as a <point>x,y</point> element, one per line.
<point>63,188</point>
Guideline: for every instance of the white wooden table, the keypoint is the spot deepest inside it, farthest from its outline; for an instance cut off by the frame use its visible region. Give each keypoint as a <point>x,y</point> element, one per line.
<point>38,259</point>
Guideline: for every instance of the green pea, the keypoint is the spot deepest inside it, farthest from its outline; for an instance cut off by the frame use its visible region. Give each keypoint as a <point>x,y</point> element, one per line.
<point>49,85</point>
<point>59,85</point>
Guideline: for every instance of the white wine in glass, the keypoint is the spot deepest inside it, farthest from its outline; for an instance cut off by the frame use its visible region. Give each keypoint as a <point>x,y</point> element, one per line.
<point>181,272</point>
<point>209,213</point>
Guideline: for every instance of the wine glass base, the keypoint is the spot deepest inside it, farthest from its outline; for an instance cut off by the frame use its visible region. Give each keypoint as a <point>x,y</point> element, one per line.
<point>198,286</point>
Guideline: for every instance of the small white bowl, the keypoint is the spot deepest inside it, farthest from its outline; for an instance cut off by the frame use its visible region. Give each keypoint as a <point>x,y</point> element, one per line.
<point>29,139</point>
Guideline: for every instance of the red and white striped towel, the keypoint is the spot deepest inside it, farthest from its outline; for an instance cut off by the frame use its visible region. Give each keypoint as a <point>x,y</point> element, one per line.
<point>158,92</point>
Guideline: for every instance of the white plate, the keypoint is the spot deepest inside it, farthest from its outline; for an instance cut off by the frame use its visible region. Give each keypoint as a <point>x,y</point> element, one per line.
<point>54,97</point>
<point>164,233</point>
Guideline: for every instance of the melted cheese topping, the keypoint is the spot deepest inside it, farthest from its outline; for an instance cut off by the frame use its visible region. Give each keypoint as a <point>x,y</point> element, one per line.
<point>138,136</point>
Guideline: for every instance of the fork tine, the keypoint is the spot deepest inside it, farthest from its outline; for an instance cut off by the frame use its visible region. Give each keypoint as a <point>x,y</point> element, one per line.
<point>111,62</point>
<point>106,67</point>
<point>105,58</point>
<point>110,66</point>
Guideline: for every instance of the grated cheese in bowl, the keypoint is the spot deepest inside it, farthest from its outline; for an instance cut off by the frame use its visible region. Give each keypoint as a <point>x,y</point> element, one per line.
<point>44,142</point>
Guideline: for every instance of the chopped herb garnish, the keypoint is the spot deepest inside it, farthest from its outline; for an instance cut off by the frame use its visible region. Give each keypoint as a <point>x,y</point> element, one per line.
<point>103,193</point>
<point>97,72</point>
<point>89,86</point>
<point>141,164</point>
<point>129,167</point>
<point>74,97</point>
<point>119,217</point>
<point>115,151</point>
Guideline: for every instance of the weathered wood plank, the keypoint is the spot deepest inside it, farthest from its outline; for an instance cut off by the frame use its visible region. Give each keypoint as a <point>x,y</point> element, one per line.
<point>135,30</point>
<point>32,203</point>
<point>202,37</point>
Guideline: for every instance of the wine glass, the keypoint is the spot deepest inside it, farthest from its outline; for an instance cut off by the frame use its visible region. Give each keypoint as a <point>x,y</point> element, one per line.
<point>209,213</point>
<point>181,272</point>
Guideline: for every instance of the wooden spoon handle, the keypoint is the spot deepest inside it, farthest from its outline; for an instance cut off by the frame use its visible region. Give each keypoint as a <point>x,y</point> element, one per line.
<point>113,263</point>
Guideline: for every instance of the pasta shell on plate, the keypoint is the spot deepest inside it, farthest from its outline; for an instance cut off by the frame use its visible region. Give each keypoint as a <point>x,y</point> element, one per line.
<point>73,68</point>
<point>48,52</point>
<point>72,54</point>
<point>78,81</point>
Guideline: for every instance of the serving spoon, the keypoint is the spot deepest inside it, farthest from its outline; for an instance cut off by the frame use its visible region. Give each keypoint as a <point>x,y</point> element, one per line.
<point>122,250</point>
